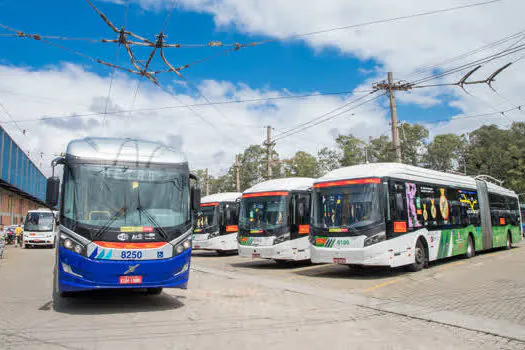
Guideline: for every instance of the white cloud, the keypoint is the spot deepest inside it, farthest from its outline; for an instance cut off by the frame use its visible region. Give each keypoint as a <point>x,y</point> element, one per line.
<point>403,46</point>
<point>37,97</point>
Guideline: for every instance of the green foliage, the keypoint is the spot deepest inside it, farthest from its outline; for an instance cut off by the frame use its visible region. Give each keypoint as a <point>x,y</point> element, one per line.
<point>488,150</point>
<point>327,160</point>
<point>412,138</point>
<point>446,152</point>
<point>352,150</point>
<point>303,164</point>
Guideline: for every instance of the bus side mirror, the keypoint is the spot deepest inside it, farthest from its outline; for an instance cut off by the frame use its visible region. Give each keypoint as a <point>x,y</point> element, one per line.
<point>195,198</point>
<point>53,188</point>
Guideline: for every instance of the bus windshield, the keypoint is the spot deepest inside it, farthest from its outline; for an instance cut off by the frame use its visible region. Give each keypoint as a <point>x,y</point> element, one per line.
<point>119,197</point>
<point>346,207</point>
<point>263,213</point>
<point>39,222</point>
<point>207,216</point>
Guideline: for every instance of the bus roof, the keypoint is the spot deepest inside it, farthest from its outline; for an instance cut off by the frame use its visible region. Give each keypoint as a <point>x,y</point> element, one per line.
<point>221,197</point>
<point>123,150</point>
<point>41,210</point>
<point>286,184</point>
<point>409,172</point>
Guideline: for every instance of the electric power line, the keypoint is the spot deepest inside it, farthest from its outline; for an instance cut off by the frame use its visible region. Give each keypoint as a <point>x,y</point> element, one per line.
<point>324,118</point>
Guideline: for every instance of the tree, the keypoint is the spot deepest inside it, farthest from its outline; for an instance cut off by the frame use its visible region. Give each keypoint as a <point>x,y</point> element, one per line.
<point>380,150</point>
<point>352,150</point>
<point>327,160</point>
<point>302,164</point>
<point>446,152</point>
<point>412,138</point>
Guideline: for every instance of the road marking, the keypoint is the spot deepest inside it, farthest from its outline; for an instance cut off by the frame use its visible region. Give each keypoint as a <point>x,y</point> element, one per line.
<point>381,285</point>
<point>448,266</point>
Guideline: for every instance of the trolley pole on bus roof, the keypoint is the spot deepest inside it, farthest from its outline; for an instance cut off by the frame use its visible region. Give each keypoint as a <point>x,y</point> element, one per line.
<point>237,172</point>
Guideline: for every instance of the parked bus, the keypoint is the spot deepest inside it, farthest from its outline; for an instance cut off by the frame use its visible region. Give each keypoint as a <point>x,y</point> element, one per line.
<point>125,216</point>
<point>217,223</point>
<point>40,228</point>
<point>274,220</point>
<point>394,215</point>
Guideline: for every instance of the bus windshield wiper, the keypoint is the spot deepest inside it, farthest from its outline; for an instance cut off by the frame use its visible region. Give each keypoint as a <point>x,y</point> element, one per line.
<point>162,232</point>
<point>108,223</point>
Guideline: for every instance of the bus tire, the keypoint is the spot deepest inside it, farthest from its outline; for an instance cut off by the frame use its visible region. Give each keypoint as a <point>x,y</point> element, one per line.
<point>471,249</point>
<point>420,257</point>
<point>154,291</point>
<point>509,241</point>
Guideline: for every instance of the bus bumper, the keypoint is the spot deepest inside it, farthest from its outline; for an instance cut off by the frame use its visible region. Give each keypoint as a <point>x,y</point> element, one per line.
<point>224,242</point>
<point>375,255</point>
<point>78,273</point>
<point>296,249</point>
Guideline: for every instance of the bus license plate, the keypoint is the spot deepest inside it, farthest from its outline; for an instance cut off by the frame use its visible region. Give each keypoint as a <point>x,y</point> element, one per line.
<point>130,280</point>
<point>339,260</point>
<point>197,247</point>
<point>256,255</point>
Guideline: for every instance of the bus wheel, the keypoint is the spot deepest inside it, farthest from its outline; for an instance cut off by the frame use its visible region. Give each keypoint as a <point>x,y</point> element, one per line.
<point>153,291</point>
<point>509,242</point>
<point>470,248</point>
<point>420,257</point>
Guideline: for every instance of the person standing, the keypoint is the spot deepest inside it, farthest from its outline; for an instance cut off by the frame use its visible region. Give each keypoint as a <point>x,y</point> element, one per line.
<point>18,234</point>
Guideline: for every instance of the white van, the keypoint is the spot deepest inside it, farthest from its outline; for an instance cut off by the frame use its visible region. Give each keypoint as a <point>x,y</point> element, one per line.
<point>40,228</point>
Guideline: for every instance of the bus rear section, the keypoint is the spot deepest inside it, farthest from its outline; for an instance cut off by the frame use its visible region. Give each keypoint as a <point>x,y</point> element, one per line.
<point>125,216</point>
<point>217,223</point>
<point>406,215</point>
<point>274,220</point>
<point>40,228</point>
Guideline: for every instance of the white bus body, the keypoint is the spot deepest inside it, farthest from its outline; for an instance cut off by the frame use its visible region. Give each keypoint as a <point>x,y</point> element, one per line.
<point>393,215</point>
<point>217,223</point>
<point>274,220</point>
<point>40,228</point>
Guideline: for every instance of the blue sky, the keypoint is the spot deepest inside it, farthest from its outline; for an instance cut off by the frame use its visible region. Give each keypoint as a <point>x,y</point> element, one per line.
<point>338,61</point>
<point>290,65</point>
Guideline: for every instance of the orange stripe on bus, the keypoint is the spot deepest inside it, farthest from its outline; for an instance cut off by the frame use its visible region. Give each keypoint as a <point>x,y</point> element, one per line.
<point>213,204</point>
<point>264,194</point>
<point>373,180</point>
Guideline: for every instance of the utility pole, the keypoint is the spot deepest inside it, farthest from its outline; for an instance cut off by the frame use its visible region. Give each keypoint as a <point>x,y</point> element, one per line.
<point>238,172</point>
<point>269,146</point>
<point>207,183</point>
<point>393,117</point>
<point>389,86</point>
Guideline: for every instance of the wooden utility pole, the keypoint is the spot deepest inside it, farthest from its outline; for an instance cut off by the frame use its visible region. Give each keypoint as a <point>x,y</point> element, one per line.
<point>238,172</point>
<point>269,146</point>
<point>393,117</point>
<point>389,86</point>
<point>207,183</point>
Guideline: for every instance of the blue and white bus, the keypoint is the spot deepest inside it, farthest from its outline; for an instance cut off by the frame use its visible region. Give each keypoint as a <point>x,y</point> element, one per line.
<point>125,216</point>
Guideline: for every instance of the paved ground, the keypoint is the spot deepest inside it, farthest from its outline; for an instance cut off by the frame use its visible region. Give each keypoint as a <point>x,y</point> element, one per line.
<point>238,304</point>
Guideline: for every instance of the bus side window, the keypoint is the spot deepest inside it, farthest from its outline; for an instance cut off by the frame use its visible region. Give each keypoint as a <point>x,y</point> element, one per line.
<point>398,202</point>
<point>301,209</point>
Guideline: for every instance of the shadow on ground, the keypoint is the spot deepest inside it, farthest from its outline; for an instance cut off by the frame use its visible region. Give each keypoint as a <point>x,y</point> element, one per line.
<point>112,302</point>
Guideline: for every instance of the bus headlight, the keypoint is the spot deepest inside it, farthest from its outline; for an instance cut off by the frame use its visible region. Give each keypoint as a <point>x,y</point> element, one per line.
<point>71,244</point>
<point>182,246</point>
<point>380,237</point>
